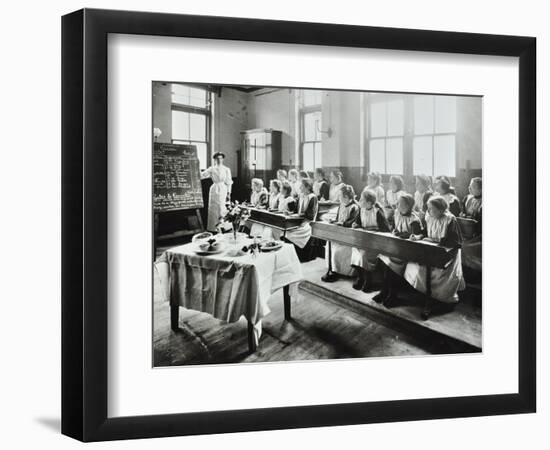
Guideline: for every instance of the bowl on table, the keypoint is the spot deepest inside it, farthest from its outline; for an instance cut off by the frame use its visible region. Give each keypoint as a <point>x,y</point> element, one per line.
<point>205,235</point>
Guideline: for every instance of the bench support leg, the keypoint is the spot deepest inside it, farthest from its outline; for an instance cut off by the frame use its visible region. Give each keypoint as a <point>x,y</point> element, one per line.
<point>428,305</point>
<point>251,337</point>
<point>286,299</point>
<point>174,317</point>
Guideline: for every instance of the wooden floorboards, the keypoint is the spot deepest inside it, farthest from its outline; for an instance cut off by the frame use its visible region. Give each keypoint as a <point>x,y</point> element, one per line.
<point>319,329</point>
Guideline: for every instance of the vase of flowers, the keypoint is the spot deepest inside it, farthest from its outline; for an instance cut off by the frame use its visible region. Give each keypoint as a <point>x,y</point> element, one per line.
<point>236,216</point>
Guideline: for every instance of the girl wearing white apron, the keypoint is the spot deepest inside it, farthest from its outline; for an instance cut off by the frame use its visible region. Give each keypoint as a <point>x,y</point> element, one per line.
<point>307,208</point>
<point>220,191</point>
<point>472,207</point>
<point>336,184</point>
<point>422,194</point>
<point>407,223</point>
<point>371,217</point>
<point>442,228</point>
<point>444,189</point>
<point>340,255</point>
<point>294,182</point>
<point>321,187</point>
<point>287,203</point>
<point>273,200</point>
<point>392,196</point>
<point>374,183</point>
<point>258,196</point>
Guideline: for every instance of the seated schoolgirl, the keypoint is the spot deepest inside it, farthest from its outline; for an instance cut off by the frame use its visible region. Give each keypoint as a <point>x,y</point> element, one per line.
<point>307,208</point>
<point>374,183</point>
<point>348,210</point>
<point>275,195</point>
<point>443,187</point>
<point>393,194</point>
<point>281,175</point>
<point>258,197</point>
<point>422,194</point>
<point>336,183</point>
<point>320,185</point>
<point>441,228</point>
<point>407,223</point>
<point>371,217</point>
<point>274,199</point>
<point>471,205</point>
<point>294,182</point>
<point>471,247</point>
<point>287,203</point>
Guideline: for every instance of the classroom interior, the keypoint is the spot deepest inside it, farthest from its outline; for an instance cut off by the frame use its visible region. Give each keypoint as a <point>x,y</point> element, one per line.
<point>261,130</point>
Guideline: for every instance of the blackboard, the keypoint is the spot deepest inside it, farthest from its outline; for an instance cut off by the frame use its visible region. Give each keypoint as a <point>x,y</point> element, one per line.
<point>176,177</point>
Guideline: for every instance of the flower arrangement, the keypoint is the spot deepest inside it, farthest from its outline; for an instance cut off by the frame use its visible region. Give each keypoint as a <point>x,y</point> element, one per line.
<point>236,216</point>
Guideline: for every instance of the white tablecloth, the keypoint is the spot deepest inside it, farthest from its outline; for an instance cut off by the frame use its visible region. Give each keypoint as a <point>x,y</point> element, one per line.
<point>225,286</point>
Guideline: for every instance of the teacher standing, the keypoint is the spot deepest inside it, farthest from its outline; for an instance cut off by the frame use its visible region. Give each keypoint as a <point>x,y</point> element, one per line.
<point>220,191</point>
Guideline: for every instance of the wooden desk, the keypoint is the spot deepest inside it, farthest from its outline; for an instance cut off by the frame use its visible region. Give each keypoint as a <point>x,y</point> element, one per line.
<point>428,254</point>
<point>325,207</point>
<point>275,219</point>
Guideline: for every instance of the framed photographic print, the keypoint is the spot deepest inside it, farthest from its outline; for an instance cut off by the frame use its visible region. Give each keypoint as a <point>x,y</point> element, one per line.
<point>272,224</point>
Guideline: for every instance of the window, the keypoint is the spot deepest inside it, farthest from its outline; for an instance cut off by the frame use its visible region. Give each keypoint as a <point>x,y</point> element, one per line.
<point>191,119</point>
<point>311,124</point>
<point>386,130</point>
<point>434,140</point>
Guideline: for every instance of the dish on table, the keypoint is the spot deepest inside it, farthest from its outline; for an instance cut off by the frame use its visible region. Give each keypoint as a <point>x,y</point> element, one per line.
<point>202,236</point>
<point>270,246</point>
<point>211,247</point>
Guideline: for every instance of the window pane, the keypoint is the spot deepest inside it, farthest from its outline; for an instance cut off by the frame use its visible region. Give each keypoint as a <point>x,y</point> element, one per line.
<point>378,119</point>
<point>308,163</point>
<point>423,114</point>
<point>396,118</point>
<point>311,97</point>
<point>202,153</point>
<point>180,94</point>
<point>197,125</point>
<point>312,123</point>
<point>444,156</point>
<point>197,97</point>
<point>318,155</point>
<point>422,155</point>
<point>445,114</point>
<point>394,155</point>
<point>376,156</point>
<point>180,125</point>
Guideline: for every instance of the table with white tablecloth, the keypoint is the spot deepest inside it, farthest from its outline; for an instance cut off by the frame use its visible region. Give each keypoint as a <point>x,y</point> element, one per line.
<point>229,285</point>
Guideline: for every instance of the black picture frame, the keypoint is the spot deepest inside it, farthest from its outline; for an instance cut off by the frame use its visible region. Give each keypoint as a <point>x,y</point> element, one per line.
<point>84,224</point>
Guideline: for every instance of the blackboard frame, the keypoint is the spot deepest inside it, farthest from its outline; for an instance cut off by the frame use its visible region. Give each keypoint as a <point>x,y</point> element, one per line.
<point>84,241</point>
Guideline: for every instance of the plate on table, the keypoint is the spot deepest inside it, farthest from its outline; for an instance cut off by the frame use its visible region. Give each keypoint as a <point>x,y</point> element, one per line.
<point>270,246</point>
<point>209,248</point>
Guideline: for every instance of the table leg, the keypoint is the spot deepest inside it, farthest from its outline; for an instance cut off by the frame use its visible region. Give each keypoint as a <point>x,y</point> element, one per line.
<point>174,317</point>
<point>286,299</point>
<point>251,337</point>
<point>429,302</point>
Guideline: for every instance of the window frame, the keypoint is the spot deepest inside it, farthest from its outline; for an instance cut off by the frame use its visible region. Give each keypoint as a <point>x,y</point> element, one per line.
<point>302,113</point>
<point>408,132</point>
<point>368,135</point>
<point>206,111</point>
<point>433,135</point>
